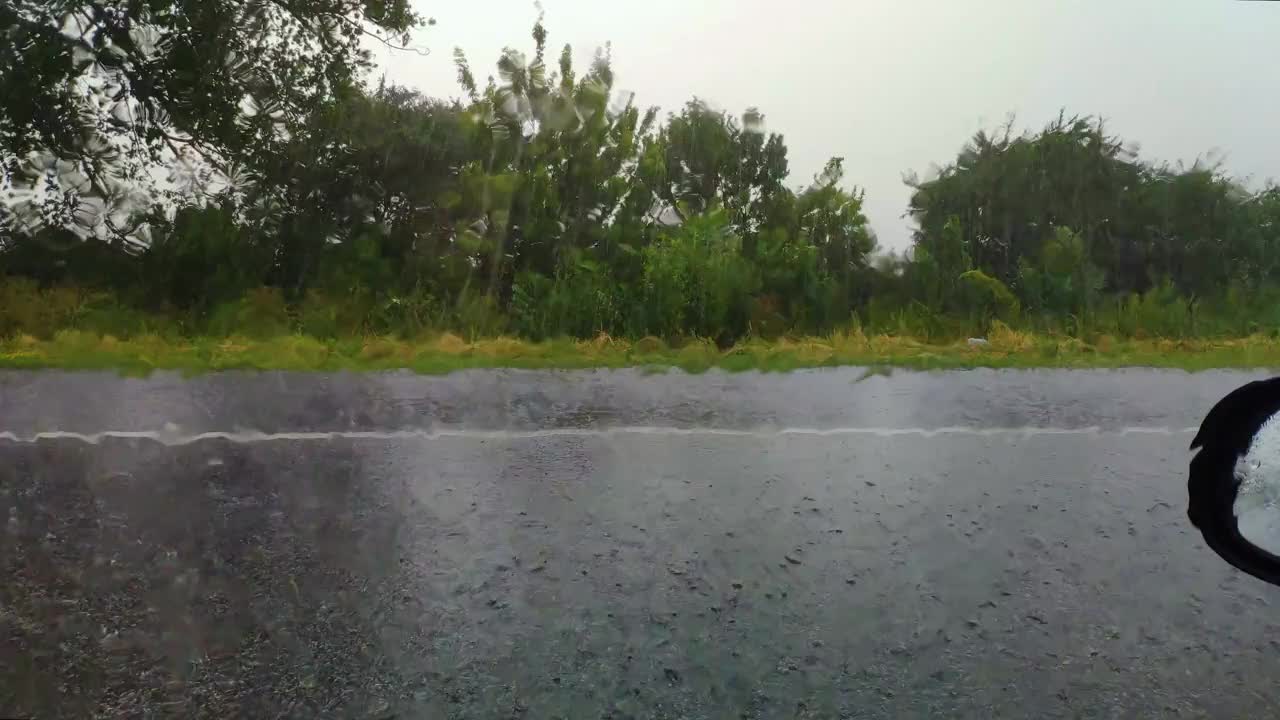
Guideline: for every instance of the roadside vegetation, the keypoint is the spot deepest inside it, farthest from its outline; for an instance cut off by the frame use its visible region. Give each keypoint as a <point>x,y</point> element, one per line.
<point>74,349</point>
<point>160,215</point>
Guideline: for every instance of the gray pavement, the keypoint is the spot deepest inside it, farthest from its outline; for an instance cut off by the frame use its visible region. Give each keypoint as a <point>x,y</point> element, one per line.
<point>618,545</point>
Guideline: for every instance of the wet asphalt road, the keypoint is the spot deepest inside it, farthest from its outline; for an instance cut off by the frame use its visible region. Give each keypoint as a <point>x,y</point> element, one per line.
<point>618,545</point>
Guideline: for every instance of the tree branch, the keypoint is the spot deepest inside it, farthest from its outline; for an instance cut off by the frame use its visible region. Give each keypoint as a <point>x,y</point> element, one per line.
<point>287,7</point>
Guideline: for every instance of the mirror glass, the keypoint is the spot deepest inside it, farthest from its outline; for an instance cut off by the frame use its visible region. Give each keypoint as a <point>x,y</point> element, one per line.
<point>1257,502</point>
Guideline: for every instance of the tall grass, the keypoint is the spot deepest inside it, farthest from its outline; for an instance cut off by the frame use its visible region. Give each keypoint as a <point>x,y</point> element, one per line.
<point>448,352</point>
<point>72,327</point>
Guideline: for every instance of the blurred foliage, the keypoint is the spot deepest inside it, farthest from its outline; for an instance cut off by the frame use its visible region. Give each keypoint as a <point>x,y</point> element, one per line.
<point>98,97</point>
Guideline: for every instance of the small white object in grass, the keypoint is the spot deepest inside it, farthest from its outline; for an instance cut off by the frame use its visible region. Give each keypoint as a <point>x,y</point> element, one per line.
<point>978,342</point>
<point>1257,505</point>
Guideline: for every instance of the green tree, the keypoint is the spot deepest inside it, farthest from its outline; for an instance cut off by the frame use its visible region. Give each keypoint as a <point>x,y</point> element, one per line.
<point>831,220</point>
<point>710,160</point>
<point>566,149</point>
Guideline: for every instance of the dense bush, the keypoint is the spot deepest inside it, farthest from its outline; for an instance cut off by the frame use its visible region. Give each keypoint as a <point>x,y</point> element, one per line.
<point>696,282</point>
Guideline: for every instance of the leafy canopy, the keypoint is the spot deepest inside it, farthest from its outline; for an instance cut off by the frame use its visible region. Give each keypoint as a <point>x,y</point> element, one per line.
<point>97,97</point>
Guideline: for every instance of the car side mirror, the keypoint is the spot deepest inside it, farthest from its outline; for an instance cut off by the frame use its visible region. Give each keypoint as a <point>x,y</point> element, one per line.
<point>1234,485</point>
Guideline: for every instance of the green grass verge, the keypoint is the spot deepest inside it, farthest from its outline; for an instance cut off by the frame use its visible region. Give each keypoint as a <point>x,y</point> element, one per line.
<point>446,353</point>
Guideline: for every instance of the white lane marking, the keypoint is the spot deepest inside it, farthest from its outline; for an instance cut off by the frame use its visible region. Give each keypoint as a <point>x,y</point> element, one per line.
<point>250,436</point>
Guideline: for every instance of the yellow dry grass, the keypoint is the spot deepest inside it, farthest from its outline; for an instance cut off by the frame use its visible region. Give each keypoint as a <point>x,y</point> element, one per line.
<point>648,345</point>
<point>892,345</point>
<point>850,341</point>
<point>809,350</point>
<point>450,344</point>
<point>503,347</point>
<point>384,348</point>
<point>1002,338</point>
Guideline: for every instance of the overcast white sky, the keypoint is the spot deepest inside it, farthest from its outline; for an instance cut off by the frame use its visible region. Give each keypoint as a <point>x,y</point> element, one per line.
<point>895,85</point>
